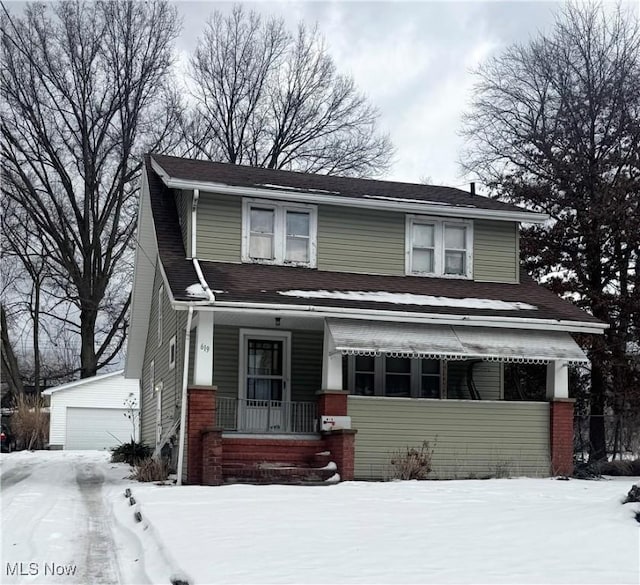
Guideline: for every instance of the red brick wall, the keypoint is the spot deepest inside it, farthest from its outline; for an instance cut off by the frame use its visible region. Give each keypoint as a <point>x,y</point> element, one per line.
<point>258,450</point>
<point>342,443</point>
<point>332,402</point>
<point>562,437</point>
<point>211,457</point>
<point>201,415</point>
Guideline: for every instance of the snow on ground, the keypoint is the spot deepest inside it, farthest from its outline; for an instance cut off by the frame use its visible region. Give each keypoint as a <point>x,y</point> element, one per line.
<point>491,531</point>
<point>69,509</point>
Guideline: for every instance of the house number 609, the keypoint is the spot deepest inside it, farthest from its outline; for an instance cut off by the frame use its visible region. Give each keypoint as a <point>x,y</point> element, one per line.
<point>204,347</point>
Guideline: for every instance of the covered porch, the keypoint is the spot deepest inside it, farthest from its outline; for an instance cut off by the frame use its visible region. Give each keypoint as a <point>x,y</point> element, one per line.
<point>395,383</point>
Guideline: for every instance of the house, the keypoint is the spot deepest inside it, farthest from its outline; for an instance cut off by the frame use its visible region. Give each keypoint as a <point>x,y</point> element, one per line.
<point>277,315</point>
<point>99,412</point>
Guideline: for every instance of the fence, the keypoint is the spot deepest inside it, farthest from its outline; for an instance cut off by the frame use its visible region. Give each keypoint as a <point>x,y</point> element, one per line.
<point>266,416</point>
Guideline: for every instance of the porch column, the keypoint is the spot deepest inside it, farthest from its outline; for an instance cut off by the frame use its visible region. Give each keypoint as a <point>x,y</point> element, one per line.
<point>557,379</point>
<point>203,354</point>
<point>331,363</point>
<point>561,413</point>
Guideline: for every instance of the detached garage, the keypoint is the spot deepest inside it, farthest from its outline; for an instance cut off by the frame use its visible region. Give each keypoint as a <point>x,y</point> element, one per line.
<point>93,413</point>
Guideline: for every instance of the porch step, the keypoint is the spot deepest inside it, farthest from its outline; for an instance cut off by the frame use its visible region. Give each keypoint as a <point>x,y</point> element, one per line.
<point>276,473</point>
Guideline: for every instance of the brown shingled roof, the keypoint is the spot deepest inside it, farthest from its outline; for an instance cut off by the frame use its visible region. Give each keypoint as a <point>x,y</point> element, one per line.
<point>245,176</point>
<point>255,283</point>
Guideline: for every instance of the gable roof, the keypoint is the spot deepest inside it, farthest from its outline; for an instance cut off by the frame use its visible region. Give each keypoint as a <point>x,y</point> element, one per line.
<point>261,285</point>
<point>179,172</point>
<point>90,380</point>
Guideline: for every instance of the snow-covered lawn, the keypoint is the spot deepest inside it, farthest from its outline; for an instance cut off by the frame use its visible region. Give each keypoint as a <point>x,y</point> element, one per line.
<point>492,531</point>
<point>69,508</point>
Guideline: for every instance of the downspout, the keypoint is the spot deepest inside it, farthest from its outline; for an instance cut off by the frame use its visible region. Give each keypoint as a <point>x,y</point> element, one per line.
<point>183,402</point>
<point>194,220</point>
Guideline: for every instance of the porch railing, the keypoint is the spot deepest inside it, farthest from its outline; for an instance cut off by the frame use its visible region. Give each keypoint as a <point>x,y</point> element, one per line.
<point>266,416</point>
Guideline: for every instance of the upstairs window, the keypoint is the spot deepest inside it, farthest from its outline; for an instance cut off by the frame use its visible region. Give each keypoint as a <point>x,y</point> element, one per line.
<point>437,247</point>
<point>279,233</point>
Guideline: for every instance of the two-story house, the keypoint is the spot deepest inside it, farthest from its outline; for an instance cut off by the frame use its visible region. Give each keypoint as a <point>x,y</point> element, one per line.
<point>282,318</point>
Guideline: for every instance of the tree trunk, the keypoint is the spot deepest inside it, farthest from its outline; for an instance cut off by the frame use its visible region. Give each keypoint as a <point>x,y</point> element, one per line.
<point>88,361</point>
<point>597,437</point>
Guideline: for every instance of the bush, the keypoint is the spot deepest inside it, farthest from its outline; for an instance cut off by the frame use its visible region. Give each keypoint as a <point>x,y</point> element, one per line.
<point>30,422</point>
<point>151,469</point>
<point>412,463</point>
<point>619,467</point>
<point>131,453</point>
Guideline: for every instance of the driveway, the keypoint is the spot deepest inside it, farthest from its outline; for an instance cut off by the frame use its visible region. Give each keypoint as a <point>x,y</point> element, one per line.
<point>56,524</point>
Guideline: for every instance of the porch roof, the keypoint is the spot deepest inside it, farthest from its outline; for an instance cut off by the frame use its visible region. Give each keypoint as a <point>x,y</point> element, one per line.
<point>358,337</point>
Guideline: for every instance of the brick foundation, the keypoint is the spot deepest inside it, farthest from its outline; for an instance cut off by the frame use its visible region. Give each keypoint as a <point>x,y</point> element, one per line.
<point>332,402</point>
<point>211,456</point>
<point>342,444</point>
<point>561,438</point>
<point>201,416</point>
<point>258,450</point>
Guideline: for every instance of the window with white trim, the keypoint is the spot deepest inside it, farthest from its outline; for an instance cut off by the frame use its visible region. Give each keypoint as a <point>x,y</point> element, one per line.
<point>172,353</point>
<point>279,233</point>
<point>395,376</point>
<point>436,247</point>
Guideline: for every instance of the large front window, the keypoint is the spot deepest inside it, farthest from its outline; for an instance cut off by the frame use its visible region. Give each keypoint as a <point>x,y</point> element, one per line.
<point>395,376</point>
<point>279,233</point>
<point>439,248</point>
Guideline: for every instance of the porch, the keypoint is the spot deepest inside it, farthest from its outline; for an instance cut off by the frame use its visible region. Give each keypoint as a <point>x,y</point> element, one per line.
<point>395,384</point>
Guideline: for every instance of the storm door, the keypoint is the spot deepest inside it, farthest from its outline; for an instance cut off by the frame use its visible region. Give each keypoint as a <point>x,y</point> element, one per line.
<point>264,392</point>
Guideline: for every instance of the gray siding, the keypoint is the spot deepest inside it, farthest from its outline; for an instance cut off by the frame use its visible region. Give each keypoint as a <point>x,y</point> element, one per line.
<point>355,240</point>
<point>488,377</point>
<point>219,233</point>
<point>173,323</point>
<point>361,240</point>
<point>469,438</point>
<point>306,362</point>
<point>496,255</point>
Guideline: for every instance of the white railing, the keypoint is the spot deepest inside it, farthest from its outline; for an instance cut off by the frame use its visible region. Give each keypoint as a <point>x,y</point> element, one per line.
<point>266,416</point>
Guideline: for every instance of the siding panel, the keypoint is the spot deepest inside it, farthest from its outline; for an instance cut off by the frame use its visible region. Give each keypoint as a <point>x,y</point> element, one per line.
<point>219,233</point>
<point>496,253</point>
<point>488,377</point>
<point>470,438</point>
<point>360,240</point>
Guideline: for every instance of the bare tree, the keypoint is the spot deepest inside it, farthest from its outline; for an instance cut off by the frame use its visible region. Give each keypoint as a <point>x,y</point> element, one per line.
<point>266,98</point>
<point>86,91</point>
<point>555,125</point>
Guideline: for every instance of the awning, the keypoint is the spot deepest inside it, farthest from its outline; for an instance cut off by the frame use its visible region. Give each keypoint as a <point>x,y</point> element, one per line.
<point>355,337</point>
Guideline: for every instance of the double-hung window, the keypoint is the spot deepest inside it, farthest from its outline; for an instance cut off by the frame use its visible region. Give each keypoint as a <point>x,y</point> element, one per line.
<point>279,233</point>
<point>437,247</point>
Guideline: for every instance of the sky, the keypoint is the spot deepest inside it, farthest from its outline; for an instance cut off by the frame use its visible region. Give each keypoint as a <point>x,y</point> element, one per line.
<point>413,60</point>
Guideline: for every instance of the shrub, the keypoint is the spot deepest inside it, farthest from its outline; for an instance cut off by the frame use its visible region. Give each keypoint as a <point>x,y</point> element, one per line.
<point>412,463</point>
<point>619,467</point>
<point>151,469</point>
<point>131,453</point>
<point>30,422</point>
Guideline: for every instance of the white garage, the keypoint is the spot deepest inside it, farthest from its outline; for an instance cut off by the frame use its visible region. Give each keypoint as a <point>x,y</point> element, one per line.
<point>94,413</point>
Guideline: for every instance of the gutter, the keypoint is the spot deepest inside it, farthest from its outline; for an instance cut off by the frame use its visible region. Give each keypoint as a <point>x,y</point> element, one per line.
<point>346,201</point>
<point>401,316</point>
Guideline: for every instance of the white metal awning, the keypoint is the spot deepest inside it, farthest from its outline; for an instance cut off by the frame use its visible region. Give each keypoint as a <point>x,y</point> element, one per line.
<point>355,337</point>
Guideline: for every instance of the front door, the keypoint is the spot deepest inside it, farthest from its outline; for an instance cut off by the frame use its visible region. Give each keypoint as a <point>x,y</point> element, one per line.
<point>264,392</point>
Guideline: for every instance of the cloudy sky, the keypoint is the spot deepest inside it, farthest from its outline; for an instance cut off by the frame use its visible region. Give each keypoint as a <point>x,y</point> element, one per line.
<point>412,59</point>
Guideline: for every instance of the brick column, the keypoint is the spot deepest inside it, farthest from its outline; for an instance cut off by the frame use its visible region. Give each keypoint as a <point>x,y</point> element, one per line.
<point>561,438</point>
<point>341,444</point>
<point>332,402</point>
<point>201,415</point>
<point>211,456</point>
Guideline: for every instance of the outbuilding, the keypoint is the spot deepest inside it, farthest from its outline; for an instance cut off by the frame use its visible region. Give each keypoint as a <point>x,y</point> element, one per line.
<point>100,412</point>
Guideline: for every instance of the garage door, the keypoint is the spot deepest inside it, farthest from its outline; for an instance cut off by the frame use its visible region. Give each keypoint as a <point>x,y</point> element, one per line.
<point>97,428</point>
